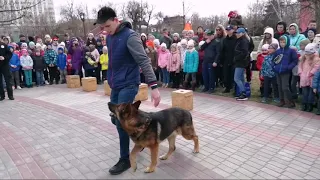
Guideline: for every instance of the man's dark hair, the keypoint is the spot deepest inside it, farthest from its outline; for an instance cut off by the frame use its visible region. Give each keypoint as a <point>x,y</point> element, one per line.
<point>104,14</point>
<point>312,21</point>
<point>164,29</point>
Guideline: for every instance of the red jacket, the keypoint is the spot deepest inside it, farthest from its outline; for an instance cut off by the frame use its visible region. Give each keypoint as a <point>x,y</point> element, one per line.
<point>260,59</point>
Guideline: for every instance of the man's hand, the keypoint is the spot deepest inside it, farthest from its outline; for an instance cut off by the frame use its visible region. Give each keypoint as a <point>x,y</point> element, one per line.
<point>1,58</point>
<point>208,40</point>
<point>155,97</point>
<point>214,64</point>
<point>315,90</point>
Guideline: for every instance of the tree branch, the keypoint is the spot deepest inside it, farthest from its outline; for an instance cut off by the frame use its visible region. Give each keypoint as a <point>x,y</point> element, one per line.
<point>21,9</point>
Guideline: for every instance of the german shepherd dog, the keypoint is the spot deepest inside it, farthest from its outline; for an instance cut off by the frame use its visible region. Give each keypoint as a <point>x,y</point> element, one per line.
<point>149,129</point>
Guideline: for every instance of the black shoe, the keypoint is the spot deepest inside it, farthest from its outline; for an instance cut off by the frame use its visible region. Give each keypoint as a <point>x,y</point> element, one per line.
<point>226,91</point>
<point>204,90</point>
<point>50,83</point>
<point>310,108</point>
<point>304,107</point>
<point>2,98</point>
<point>11,98</point>
<point>57,82</point>
<point>210,91</point>
<point>318,112</point>
<point>121,166</point>
<point>242,97</point>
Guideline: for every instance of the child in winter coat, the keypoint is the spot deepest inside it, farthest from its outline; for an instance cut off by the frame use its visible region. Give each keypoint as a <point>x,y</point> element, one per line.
<point>39,65</point>
<point>174,66</point>
<point>69,65</point>
<point>153,56</point>
<point>308,66</point>
<point>190,66</point>
<point>14,68</point>
<point>295,77</point>
<point>50,57</point>
<point>27,66</point>
<point>62,64</point>
<point>269,76</point>
<point>104,60</point>
<point>260,59</point>
<point>89,63</point>
<point>285,59</point>
<point>163,60</point>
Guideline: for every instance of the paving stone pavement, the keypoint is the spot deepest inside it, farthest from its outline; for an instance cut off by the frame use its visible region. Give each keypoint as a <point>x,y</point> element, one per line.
<point>54,132</point>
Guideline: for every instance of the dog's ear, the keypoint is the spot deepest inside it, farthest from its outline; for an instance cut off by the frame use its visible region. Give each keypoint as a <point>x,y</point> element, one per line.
<point>137,104</point>
<point>112,107</point>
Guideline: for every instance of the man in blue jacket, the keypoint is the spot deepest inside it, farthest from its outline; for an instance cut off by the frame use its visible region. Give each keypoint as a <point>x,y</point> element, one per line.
<point>126,55</point>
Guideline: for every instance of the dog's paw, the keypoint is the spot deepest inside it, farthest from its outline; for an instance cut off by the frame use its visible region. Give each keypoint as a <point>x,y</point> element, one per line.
<point>149,170</point>
<point>195,151</point>
<point>134,167</point>
<point>163,157</point>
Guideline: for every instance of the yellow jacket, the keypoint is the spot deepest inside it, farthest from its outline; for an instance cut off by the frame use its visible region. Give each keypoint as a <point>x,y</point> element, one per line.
<point>104,59</point>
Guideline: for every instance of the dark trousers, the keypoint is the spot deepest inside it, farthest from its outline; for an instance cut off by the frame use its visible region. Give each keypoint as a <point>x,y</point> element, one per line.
<point>5,72</point>
<point>219,75</point>
<point>208,75</point>
<point>98,73</point>
<point>104,75</point>
<point>156,72</point>
<point>283,83</point>
<point>118,96</point>
<point>90,73</point>
<point>77,72</point>
<point>308,95</point>
<point>175,79</point>
<point>248,72</point>
<point>46,74</point>
<point>228,74</point>
<point>53,73</point>
<point>294,88</point>
<point>267,86</point>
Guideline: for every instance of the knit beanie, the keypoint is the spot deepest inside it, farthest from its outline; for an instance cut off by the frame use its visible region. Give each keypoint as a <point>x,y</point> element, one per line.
<point>32,44</point>
<point>265,47</point>
<point>273,46</point>
<point>304,42</point>
<point>164,45</point>
<point>191,42</point>
<point>176,35</point>
<point>156,42</point>
<point>314,30</point>
<point>184,42</point>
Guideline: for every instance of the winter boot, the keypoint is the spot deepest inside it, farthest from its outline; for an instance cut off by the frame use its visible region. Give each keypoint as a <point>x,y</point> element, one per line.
<point>290,104</point>
<point>310,107</point>
<point>281,103</point>
<point>304,107</point>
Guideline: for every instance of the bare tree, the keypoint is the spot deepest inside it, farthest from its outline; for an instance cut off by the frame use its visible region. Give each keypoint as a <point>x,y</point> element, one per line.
<point>10,12</point>
<point>149,14</point>
<point>159,17</point>
<point>253,20</point>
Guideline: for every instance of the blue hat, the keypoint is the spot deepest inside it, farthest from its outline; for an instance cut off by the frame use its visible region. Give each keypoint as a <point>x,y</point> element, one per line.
<point>229,27</point>
<point>240,30</point>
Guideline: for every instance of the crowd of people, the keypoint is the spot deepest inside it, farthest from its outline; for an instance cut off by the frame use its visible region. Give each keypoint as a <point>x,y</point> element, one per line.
<point>288,61</point>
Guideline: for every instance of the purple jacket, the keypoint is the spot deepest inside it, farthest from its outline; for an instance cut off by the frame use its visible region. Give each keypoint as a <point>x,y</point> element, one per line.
<point>76,56</point>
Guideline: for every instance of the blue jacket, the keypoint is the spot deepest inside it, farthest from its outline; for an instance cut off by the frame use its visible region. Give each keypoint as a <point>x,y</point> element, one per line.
<point>316,81</point>
<point>62,61</point>
<point>191,62</point>
<point>267,70</point>
<point>15,61</point>
<point>123,70</point>
<point>284,59</point>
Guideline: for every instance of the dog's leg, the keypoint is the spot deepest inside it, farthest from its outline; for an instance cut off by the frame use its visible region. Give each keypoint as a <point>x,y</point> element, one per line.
<point>154,158</point>
<point>133,156</point>
<point>189,133</point>
<point>172,147</point>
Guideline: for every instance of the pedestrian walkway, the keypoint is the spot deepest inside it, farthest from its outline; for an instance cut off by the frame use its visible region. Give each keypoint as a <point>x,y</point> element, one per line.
<point>55,132</point>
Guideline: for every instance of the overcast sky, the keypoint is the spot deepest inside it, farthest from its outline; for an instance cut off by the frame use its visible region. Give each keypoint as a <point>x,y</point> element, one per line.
<point>173,7</point>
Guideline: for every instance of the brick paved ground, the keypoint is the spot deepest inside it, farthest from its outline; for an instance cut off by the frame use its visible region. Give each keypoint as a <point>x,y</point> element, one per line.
<point>55,132</point>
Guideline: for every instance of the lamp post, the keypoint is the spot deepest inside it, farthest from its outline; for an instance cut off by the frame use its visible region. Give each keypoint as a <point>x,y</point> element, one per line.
<point>82,17</point>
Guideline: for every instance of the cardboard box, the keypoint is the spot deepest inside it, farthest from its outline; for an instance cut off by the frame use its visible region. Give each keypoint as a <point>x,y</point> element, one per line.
<point>89,84</point>
<point>142,93</point>
<point>182,99</point>
<point>73,81</point>
<point>107,89</point>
